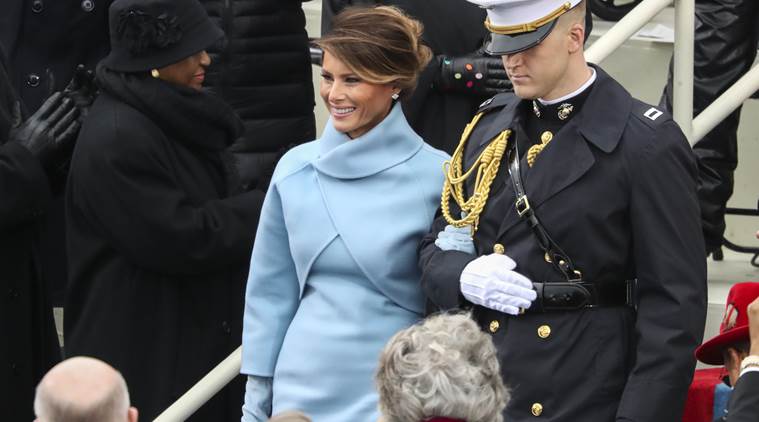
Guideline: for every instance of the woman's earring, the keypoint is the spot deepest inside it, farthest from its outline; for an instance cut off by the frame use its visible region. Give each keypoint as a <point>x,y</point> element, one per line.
<point>395,96</point>
<point>154,73</point>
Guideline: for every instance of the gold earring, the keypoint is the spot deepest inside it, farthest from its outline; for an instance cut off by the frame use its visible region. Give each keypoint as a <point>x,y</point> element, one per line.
<point>154,73</point>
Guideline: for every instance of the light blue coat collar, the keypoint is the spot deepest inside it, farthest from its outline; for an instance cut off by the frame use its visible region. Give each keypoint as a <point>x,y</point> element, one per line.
<point>389,143</point>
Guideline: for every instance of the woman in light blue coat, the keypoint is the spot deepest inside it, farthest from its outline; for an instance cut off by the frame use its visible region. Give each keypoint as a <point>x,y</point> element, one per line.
<point>333,272</point>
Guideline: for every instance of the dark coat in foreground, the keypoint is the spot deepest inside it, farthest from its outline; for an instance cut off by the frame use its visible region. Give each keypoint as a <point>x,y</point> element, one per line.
<point>616,190</point>
<point>29,345</point>
<point>44,41</point>
<point>744,402</point>
<point>158,247</point>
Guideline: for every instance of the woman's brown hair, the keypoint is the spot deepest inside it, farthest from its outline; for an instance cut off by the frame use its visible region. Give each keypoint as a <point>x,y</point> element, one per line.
<point>379,44</point>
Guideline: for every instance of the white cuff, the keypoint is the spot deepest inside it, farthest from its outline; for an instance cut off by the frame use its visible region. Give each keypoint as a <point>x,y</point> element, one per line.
<point>749,369</point>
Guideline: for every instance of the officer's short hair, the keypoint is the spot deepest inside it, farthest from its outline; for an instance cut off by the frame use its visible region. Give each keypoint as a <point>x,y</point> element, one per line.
<point>444,366</point>
<point>575,14</point>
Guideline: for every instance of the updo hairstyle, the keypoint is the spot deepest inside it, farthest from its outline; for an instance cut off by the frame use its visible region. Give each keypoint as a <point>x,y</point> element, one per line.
<point>380,45</point>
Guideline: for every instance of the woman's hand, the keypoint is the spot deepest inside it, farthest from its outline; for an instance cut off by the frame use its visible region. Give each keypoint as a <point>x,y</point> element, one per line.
<point>456,239</point>
<point>257,406</point>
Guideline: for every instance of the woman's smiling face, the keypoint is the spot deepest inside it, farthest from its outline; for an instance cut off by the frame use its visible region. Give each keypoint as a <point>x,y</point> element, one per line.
<point>356,106</point>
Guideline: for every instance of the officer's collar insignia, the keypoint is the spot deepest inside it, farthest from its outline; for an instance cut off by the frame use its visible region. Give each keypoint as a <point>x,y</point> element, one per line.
<point>535,108</point>
<point>486,102</point>
<point>565,110</point>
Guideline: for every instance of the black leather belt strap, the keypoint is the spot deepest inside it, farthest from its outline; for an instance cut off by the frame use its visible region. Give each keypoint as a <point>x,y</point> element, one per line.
<point>572,296</point>
<point>558,258</point>
<point>573,293</point>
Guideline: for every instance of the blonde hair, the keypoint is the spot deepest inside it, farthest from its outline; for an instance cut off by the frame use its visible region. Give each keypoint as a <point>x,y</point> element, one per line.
<point>444,366</point>
<point>381,45</point>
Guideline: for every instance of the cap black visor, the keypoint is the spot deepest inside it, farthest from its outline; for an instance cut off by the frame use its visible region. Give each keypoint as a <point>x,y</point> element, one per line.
<point>500,45</point>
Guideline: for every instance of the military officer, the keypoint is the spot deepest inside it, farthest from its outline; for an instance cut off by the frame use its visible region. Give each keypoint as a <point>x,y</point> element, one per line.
<point>579,247</point>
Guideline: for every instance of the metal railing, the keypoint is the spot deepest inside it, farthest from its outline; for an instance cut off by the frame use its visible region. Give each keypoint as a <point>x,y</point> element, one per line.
<point>206,388</point>
<point>694,130</point>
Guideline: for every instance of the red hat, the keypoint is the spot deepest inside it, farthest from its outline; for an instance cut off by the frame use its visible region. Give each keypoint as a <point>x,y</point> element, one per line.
<point>734,326</point>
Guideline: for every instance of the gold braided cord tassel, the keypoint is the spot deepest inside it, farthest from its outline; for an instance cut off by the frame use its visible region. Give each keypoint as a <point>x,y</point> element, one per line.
<point>535,150</point>
<point>486,168</point>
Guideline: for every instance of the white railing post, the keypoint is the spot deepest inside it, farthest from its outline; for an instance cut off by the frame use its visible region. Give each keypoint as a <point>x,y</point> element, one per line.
<point>725,104</point>
<point>682,77</point>
<point>624,29</point>
<point>206,388</point>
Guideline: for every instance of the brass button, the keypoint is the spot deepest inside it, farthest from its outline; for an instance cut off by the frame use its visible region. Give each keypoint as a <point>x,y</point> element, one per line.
<point>547,257</point>
<point>494,326</point>
<point>546,137</point>
<point>544,331</point>
<point>499,249</point>
<point>33,80</point>
<point>537,409</point>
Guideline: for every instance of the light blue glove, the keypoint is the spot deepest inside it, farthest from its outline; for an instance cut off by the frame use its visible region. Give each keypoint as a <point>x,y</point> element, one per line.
<point>257,406</point>
<point>456,239</point>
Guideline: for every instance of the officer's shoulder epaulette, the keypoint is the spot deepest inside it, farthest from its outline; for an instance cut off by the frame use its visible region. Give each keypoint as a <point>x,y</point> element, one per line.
<point>496,101</point>
<point>651,116</point>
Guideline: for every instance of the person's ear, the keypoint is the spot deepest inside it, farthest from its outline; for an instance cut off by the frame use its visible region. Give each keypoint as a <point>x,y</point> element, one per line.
<point>576,37</point>
<point>132,414</point>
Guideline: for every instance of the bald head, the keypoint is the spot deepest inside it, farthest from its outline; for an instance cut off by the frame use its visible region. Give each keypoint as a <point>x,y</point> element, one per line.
<point>83,389</point>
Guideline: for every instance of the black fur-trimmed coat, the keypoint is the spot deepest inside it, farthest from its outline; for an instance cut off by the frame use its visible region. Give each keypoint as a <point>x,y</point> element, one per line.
<point>158,241</point>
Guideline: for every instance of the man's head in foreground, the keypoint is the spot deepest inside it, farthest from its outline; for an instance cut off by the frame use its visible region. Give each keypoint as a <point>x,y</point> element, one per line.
<point>83,389</point>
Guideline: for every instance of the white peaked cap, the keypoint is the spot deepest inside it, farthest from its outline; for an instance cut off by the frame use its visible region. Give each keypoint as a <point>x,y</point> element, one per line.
<point>517,25</point>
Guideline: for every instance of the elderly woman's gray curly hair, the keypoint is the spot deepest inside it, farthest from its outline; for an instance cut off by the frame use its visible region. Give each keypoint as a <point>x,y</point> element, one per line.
<point>443,366</point>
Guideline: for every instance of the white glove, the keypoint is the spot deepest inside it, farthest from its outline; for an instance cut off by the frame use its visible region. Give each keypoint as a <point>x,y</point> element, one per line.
<point>491,281</point>
<point>257,405</point>
<point>456,239</point>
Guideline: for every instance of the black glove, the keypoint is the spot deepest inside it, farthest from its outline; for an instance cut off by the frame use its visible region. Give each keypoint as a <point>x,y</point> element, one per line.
<point>50,133</point>
<point>82,90</point>
<point>473,74</point>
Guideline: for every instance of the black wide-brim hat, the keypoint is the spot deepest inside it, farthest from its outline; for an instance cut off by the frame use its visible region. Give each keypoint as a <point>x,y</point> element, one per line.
<point>151,34</point>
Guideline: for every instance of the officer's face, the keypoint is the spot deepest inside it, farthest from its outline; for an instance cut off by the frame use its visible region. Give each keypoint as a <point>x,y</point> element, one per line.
<point>355,105</point>
<point>543,71</point>
<point>189,72</point>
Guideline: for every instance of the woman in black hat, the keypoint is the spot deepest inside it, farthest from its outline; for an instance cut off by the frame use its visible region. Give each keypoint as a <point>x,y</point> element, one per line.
<point>158,238</point>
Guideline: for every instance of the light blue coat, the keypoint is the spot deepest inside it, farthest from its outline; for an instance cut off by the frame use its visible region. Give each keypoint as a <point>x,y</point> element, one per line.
<point>334,267</point>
